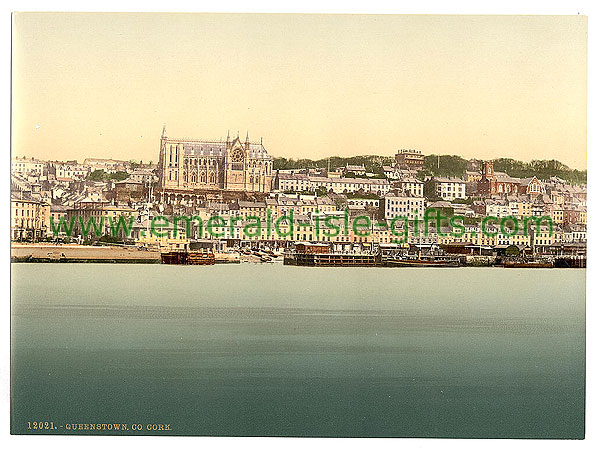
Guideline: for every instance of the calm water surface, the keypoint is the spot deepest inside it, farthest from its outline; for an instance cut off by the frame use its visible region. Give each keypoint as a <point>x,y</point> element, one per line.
<point>280,350</point>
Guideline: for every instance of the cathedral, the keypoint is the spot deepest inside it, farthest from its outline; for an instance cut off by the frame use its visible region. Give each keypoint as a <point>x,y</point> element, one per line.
<point>189,165</point>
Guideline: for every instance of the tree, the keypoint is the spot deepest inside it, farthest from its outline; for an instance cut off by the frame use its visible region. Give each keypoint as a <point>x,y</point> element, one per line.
<point>321,191</point>
<point>441,165</point>
<point>118,176</point>
<point>96,175</point>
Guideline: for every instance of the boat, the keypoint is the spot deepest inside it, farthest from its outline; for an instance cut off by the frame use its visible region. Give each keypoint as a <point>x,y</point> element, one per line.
<point>332,259</point>
<point>422,263</point>
<point>528,264</point>
<point>191,258</point>
<point>199,258</point>
<point>173,258</point>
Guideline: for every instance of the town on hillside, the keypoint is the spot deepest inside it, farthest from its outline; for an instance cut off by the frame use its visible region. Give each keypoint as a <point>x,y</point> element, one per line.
<point>239,177</point>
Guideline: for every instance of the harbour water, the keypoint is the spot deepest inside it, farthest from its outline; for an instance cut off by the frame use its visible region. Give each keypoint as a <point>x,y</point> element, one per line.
<point>279,350</point>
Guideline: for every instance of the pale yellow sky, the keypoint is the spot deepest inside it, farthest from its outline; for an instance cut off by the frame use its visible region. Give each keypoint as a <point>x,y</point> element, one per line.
<point>103,85</point>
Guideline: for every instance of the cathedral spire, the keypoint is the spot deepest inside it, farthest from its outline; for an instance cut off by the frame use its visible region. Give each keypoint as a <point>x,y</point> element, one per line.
<point>247,140</point>
<point>164,131</point>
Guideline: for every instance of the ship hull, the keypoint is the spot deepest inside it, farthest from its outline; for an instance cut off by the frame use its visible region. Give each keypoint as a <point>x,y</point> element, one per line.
<point>420,263</point>
<point>529,265</point>
<point>188,258</point>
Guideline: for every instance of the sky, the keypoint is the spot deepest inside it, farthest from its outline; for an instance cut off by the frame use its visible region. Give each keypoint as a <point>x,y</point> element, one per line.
<point>103,85</point>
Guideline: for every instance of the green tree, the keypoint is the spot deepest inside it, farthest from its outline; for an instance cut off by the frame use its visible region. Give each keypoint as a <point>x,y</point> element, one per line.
<point>119,176</point>
<point>96,175</point>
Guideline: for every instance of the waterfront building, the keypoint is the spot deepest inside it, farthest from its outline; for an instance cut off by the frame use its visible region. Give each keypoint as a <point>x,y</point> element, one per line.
<point>521,239</point>
<point>542,238</point>
<point>57,212</point>
<point>471,235</point>
<point>30,218</point>
<point>105,215</point>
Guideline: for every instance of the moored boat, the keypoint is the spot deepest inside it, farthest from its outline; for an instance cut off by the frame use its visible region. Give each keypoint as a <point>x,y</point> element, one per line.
<point>192,258</point>
<point>173,258</point>
<point>529,265</point>
<point>201,258</point>
<point>422,263</point>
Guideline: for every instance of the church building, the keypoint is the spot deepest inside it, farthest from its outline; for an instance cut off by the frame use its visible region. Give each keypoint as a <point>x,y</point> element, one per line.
<point>190,165</point>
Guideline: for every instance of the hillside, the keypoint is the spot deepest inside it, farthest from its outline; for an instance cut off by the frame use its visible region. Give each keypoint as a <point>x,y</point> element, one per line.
<point>372,163</point>
<point>445,165</point>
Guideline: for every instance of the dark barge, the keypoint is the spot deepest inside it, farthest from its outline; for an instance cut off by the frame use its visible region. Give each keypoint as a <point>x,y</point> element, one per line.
<point>190,258</point>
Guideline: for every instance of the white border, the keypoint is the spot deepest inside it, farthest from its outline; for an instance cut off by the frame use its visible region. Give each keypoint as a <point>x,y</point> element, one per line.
<point>588,8</point>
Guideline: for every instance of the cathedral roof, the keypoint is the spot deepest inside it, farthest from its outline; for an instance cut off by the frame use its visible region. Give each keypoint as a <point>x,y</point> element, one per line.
<point>193,147</point>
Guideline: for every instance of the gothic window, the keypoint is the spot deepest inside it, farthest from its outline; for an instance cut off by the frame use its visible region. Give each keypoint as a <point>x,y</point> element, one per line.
<point>212,178</point>
<point>203,177</point>
<point>237,156</point>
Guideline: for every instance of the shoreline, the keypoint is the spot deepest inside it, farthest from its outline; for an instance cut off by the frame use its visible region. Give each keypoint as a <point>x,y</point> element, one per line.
<point>74,253</point>
<point>85,254</point>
